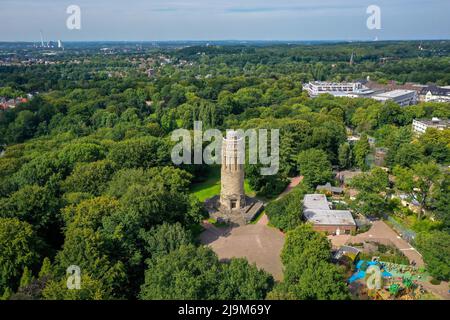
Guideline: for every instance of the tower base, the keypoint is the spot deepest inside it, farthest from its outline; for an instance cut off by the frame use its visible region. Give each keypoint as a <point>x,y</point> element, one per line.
<point>240,216</point>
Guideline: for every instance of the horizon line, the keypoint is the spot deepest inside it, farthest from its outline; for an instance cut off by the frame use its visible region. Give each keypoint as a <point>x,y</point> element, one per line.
<point>234,40</point>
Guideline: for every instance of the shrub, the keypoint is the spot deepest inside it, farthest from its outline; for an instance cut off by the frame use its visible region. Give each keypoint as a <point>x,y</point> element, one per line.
<point>285,213</point>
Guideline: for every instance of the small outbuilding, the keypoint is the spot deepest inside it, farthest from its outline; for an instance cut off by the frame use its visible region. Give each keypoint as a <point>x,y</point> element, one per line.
<point>329,189</point>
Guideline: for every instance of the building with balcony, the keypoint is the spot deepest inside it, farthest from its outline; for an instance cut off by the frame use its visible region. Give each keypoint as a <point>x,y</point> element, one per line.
<point>337,89</point>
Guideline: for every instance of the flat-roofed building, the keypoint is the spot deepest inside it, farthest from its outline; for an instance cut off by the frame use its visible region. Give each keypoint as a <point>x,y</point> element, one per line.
<point>316,210</point>
<point>316,88</point>
<point>401,97</point>
<point>420,126</point>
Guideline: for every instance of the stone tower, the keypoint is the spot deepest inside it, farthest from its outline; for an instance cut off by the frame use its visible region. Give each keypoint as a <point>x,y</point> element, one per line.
<point>232,194</point>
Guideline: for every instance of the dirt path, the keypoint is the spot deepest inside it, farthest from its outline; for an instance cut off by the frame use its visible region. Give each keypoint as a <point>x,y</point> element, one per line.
<point>264,220</point>
<point>441,290</point>
<point>294,182</point>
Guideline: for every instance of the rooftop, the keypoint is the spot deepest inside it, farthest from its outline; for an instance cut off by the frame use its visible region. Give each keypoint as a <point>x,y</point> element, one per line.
<point>394,94</point>
<point>435,122</point>
<point>315,201</point>
<point>435,90</point>
<point>329,217</point>
<point>324,83</point>
<point>317,210</point>
<point>328,187</point>
<point>392,85</point>
<point>347,175</point>
<point>348,251</point>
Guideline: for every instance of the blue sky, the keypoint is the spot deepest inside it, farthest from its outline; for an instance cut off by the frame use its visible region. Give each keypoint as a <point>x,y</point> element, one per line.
<point>139,20</point>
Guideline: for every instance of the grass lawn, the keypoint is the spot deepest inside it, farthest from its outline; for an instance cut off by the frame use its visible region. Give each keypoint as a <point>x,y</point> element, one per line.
<point>211,186</point>
<point>208,188</point>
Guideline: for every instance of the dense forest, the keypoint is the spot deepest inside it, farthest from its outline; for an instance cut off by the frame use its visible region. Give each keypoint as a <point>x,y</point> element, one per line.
<point>86,176</point>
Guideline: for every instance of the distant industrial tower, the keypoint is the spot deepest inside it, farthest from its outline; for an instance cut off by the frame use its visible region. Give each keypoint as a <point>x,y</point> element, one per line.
<point>232,194</point>
<point>42,39</point>
<point>352,58</point>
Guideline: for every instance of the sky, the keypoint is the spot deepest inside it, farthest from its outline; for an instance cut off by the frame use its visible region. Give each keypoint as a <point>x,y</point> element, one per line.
<point>287,20</point>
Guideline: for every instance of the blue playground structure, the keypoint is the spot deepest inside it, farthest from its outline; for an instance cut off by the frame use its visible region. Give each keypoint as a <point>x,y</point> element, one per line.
<point>360,274</point>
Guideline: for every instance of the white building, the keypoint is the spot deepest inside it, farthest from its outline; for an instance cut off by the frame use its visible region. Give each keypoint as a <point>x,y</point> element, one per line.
<point>336,89</point>
<point>420,126</point>
<point>317,211</point>
<point>358,90</point>
<point>435,94</point>
<point>401,97</point>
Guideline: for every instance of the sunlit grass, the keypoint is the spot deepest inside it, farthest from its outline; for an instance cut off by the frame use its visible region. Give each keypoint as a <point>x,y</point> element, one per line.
<point>211,186</point>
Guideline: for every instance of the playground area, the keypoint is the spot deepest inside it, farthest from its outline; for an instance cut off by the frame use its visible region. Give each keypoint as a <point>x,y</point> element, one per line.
<point>395,281</point>
<point>380,232</point>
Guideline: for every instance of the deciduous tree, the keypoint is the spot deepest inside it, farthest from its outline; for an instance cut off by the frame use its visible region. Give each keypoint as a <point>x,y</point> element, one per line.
<point>315,167</point>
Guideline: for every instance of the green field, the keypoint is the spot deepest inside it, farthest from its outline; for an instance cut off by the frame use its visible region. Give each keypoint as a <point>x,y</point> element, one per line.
<point>211,186</point>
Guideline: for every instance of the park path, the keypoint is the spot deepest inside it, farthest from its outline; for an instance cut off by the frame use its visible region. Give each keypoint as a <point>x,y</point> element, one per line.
<point>264,220</point>
<point>294,182</point>
<point>442,290</point>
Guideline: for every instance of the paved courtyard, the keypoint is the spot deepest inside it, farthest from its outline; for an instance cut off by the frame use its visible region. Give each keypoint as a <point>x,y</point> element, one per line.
<point>257,243</point>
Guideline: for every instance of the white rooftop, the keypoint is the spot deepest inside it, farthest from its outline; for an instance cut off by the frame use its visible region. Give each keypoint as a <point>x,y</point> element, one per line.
<point>329,217</point>
<point>317,210</point>
<point>394,94</point>
<point>315,201</point>
<point>325,83</point>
